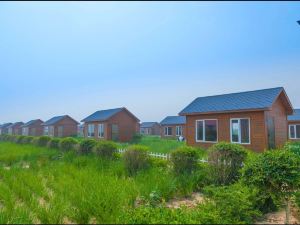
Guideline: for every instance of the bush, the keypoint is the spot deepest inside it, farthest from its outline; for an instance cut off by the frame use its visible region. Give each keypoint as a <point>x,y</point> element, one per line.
<point>136,138</point>
<point>86,146</point>
<point>68,144</point>
<point>19,139</point>
<point>27,139</point>
<point>42,141</point>
<point>105,149</point>
<point>184,159</point>
<point>226,160</point>
<point>54,143</point>
<point>136,158</point>
<point>293,147</point>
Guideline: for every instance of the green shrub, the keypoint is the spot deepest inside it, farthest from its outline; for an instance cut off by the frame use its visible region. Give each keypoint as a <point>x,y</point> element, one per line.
<point>293,147</point>
<point>105,149</point>
<point>42,141</point>
<point>27,139</point>
<point>184,159</point>
<point>136,138</point>
<point>54,143</point>
<point>19,139</point>
<point>226,160</point>
<point>136,158</point>
<point>68,144</point>
<point>86,146</point>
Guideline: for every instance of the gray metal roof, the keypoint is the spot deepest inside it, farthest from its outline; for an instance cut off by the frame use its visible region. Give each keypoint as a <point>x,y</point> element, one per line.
<point>15,124</point>
<point>53,120</point>
<point>148,124</point>
<point>295,116</point>
<point>102,115</point>
<point>172,120</point>
<point>31,122</point>
<point>5,125</point>
<point>259,99</point>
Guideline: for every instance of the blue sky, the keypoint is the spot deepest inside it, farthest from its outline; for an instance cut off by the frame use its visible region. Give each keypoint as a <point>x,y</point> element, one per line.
<point>153,58</point>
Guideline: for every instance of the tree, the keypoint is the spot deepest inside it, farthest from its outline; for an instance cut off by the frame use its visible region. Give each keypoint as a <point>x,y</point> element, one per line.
<point>276,172</point>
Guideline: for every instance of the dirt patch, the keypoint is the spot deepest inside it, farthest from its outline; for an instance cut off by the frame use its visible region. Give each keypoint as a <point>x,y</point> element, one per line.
<point>93,220</point>
<point>66,220</point>
<point>191,202</point>
<point>279,217</point>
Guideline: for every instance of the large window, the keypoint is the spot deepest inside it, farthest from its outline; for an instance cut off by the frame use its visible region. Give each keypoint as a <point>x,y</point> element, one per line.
<point>207,130</point>
<point>168,131</point>
<point>101,130</point>
<point>178,130</point>
<point>25,131</point>
<point>240,130</point>
<point>294,131</point>
<point>46,130</point>
<point>91,130</point>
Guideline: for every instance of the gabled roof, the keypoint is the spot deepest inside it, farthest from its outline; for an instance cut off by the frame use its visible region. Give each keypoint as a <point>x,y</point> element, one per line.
<point>295,116</point>
<point>56,119</point>
<point>148,124</point>
<point>15,124</point>
<point>31,122</point>
<point>5,125</point>
<point>241,101</point>
<point>103,115</point>
<point>172,120</point>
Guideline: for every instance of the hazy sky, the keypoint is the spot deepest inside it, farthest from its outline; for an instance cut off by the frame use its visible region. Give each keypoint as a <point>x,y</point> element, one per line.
<point>153,58</point>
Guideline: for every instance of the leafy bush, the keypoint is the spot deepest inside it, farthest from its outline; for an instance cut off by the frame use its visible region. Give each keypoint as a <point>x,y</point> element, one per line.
<point>136,138</point>
<point>136,158</point>
<point>43,141</point>
<point>226,160</point>
<point>54,143</point>
<point>184,159</point>
<point>293,147</point>
<point>105,149</point>
<point>86,146</point>
<point>19,139</point>
<point>27,139</point>
<point>68,144</point>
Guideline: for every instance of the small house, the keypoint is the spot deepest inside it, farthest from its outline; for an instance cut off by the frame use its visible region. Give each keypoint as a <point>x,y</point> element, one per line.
<point>33,128</point>
<point>4,128</point>
<point>294,126</point>
<point>255,119</point>
<point>150,128</point>
<point>173,127</point>
<point>15,128</point>
<point>117,124</point>
<point>60,126</point>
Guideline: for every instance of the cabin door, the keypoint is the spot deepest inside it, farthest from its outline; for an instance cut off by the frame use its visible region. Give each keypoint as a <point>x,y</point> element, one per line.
<point>114,132</point>
<point>271,133</point>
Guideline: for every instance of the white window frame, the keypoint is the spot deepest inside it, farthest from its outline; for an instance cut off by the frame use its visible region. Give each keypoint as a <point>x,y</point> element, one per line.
<point>295,131</point>
<point>46,130</point>
<point>239,133</point>
<point>166,129</point>
<point>88,130</point>
<point>100,125</point>
<point>196,129</point>
<point>177,129</point>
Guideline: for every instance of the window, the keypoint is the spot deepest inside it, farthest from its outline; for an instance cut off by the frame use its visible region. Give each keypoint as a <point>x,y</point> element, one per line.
<point>46,131</point>
<point>168,131</point>
<point>25,131</point>
<point>206,130</point>
<point>101,130</point>
<point>294,131</point>
<point>178,130</point>
<point>91,130</point>
<point>240,131</point>
<point>51,131</point>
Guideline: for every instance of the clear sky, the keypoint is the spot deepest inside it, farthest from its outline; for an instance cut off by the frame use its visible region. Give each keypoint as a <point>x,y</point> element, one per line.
<point>153,58</point>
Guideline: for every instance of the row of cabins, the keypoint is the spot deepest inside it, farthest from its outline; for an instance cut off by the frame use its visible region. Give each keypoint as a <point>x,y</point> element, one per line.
<point>259,120</point>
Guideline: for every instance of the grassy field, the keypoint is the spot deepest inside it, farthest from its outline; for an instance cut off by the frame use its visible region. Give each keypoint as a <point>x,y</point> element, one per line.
<point>40,185</point>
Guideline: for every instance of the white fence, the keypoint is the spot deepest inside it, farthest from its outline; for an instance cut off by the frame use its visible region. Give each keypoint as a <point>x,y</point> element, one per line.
<point>160,155</point>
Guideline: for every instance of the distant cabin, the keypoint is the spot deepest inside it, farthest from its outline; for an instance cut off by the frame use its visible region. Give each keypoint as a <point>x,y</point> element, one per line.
<point>173,126</point>
<point>60,126</point>
<point>4,128</point>
<point>150,128</point>
<point>117,124</point>
<point>33,128</point>
<point>254,119</point>
<point>15,128</point>
<point>294,126</point>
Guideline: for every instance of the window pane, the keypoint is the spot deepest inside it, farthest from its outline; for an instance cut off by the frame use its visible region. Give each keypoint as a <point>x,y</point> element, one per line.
<point>169,130</point>
<point>199,130</point>
<point>235,130</point>
<point>210,130</point>
<point>101,130</point>
<point>297,131</point>
<point>166,130</point>
<point>245,136</point>
<point>292,131</point>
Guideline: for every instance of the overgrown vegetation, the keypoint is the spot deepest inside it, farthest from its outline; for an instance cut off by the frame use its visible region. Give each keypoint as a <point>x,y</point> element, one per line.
<point>55,185</point>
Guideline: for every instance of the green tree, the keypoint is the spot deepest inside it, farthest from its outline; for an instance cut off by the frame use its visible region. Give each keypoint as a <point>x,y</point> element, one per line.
<point>276,172</point>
